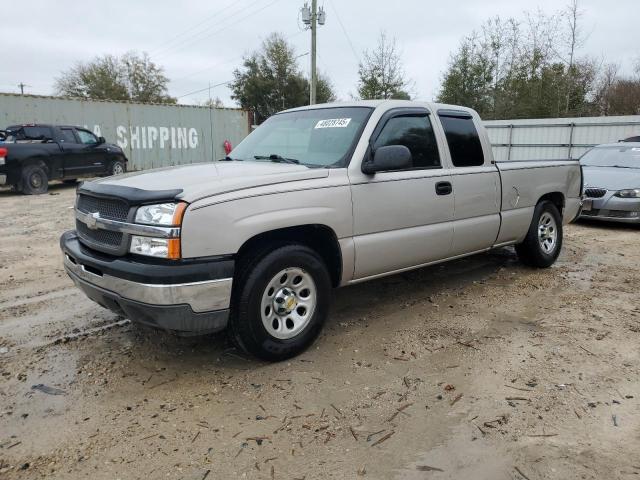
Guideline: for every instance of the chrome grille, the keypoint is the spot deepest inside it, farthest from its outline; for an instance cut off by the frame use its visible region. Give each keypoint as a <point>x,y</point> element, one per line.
<point>107,241</point>
<point>107,238</point>
<point>592,192</point>
<point>112,209</point>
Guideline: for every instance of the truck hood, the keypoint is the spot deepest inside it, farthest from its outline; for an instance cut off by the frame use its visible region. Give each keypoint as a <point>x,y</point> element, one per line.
<point>203,180</point>
<point>611,178</point>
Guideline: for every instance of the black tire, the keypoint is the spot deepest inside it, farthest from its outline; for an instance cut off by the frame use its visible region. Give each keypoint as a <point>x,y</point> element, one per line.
<point>34,180</point>
<point>531,251</point>
<point>253,276</point>
<point>117,167</point>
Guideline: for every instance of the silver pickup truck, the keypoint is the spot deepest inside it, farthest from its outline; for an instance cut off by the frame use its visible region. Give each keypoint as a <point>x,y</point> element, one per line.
<point>315,198</point>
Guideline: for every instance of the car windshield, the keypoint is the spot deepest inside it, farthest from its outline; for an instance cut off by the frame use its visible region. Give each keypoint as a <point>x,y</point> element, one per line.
<point>618,156</point>
<point>315,138</point>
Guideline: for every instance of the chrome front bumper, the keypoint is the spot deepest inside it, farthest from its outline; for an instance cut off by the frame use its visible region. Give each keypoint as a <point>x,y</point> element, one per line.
<point>200,296</point>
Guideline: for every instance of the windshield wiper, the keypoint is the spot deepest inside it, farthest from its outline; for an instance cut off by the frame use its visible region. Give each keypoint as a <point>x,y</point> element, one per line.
<point>229,159</point>
<point>277,158</point>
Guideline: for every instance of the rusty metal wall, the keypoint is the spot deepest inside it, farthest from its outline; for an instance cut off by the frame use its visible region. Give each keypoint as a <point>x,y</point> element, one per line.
<point>556,138</point>
<point>151,135</point>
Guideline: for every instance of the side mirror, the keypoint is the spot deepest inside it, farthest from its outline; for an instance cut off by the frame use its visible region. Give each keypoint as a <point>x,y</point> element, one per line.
<point>390,157</point>
<point>101,140</point>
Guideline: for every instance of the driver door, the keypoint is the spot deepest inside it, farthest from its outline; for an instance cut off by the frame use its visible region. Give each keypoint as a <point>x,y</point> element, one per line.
<point>83,153</point>
<point>403,218</point>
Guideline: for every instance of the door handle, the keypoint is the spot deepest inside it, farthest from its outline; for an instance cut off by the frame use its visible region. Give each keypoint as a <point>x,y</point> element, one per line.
<point>443,188</point>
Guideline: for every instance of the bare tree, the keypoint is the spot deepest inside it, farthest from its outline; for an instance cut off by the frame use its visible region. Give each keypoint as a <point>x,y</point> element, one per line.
<point>605,84</point>
<point>381,74</point>
<point>575,39</point>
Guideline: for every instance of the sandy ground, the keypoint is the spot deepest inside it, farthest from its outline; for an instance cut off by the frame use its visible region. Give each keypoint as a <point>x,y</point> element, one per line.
<point>478,369</point>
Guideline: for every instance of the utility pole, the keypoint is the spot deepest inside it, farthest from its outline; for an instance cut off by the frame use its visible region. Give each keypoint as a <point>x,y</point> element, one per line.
<point>313,17</point>
<point>22,85</point>
<point>314,27</point>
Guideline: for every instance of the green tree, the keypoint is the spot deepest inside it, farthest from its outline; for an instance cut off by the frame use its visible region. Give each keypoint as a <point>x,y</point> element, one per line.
<point>381,74</point>
<point>270,80</point>
<point>513,68</point>
<point>469,79</point>
<point>131,77</point>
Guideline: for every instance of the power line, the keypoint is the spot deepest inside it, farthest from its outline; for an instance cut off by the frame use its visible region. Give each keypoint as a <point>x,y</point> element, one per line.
<point>182,45</point>
<point>190,29</point>
<point>195,33</point>
<point>344,30</point>
<point>216,64</point>
<point>204,89</point>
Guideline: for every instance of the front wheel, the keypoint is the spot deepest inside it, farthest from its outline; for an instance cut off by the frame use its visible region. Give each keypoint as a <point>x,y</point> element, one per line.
<point>281,303</point>
<point>117,167</point>
<point>543,242</point>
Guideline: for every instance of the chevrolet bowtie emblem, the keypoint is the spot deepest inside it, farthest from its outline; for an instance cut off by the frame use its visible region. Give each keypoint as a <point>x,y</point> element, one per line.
<point>92,220</point>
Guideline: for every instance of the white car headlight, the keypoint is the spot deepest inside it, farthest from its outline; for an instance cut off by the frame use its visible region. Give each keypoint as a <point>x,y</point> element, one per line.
<point>629,193</point>
<point>149,246</point>
<point>162,214</point>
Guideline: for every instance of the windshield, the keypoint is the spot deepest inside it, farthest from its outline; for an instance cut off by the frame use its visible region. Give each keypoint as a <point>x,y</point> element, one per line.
<point>315,138</point>
<point>622,157</point>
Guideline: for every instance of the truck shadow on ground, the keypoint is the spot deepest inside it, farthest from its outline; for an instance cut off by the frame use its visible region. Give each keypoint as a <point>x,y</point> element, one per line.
<point>350,303</point>
<point>55,188</point>
<point>604,225</point>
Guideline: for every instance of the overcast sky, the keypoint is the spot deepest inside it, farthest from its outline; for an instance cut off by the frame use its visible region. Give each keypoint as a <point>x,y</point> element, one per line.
<point>201,41</point>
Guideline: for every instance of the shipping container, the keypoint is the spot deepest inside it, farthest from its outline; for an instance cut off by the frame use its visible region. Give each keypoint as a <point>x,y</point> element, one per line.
<point>151,135</point>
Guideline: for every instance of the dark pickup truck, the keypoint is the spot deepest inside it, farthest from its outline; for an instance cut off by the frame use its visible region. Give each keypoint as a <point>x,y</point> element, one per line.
<point>31,155</point>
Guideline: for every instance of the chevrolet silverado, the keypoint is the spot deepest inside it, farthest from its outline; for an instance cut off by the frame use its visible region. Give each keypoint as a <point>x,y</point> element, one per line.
<point>316,197</point>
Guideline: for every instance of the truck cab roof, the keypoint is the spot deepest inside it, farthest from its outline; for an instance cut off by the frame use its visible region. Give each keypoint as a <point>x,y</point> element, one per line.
<point>389,104</point>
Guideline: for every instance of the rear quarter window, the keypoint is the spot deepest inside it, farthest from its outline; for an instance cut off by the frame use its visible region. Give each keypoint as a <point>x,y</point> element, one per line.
<point>30,133</point>
<point>463,140</point>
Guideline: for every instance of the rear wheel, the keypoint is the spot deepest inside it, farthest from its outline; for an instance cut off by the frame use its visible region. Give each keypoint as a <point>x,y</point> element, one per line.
<point>281,302</point>
<point>543,242</point>
<point>34,180</point>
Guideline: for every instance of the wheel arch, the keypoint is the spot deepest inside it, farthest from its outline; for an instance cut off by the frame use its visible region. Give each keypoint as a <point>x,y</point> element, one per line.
<point>320,238</point>
<point>38,160</point>
<point>557,198</point>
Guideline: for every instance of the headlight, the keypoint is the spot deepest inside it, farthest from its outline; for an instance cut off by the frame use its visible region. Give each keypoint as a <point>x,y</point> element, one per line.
<point>163,214</point>
<point>629,193</point>
<point>155,247</point>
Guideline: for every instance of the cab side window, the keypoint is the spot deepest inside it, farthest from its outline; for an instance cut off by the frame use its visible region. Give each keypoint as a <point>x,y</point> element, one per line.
<point>414,132</point>
<point>463,140</point>
<point>87,138</point>
<point>68,136</point>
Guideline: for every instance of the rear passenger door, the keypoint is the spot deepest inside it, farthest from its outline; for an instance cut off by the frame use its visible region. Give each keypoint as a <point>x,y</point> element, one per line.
<point>402,218</point>
<point>476,184</point>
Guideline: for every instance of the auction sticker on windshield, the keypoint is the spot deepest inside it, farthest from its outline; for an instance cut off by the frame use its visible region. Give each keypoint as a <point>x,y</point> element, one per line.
<point>333,123</point>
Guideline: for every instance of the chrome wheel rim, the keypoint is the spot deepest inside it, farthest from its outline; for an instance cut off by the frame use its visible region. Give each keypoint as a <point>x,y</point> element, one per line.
<point>117,169</point>
<point>547,233</point>
<point>288,303</point>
